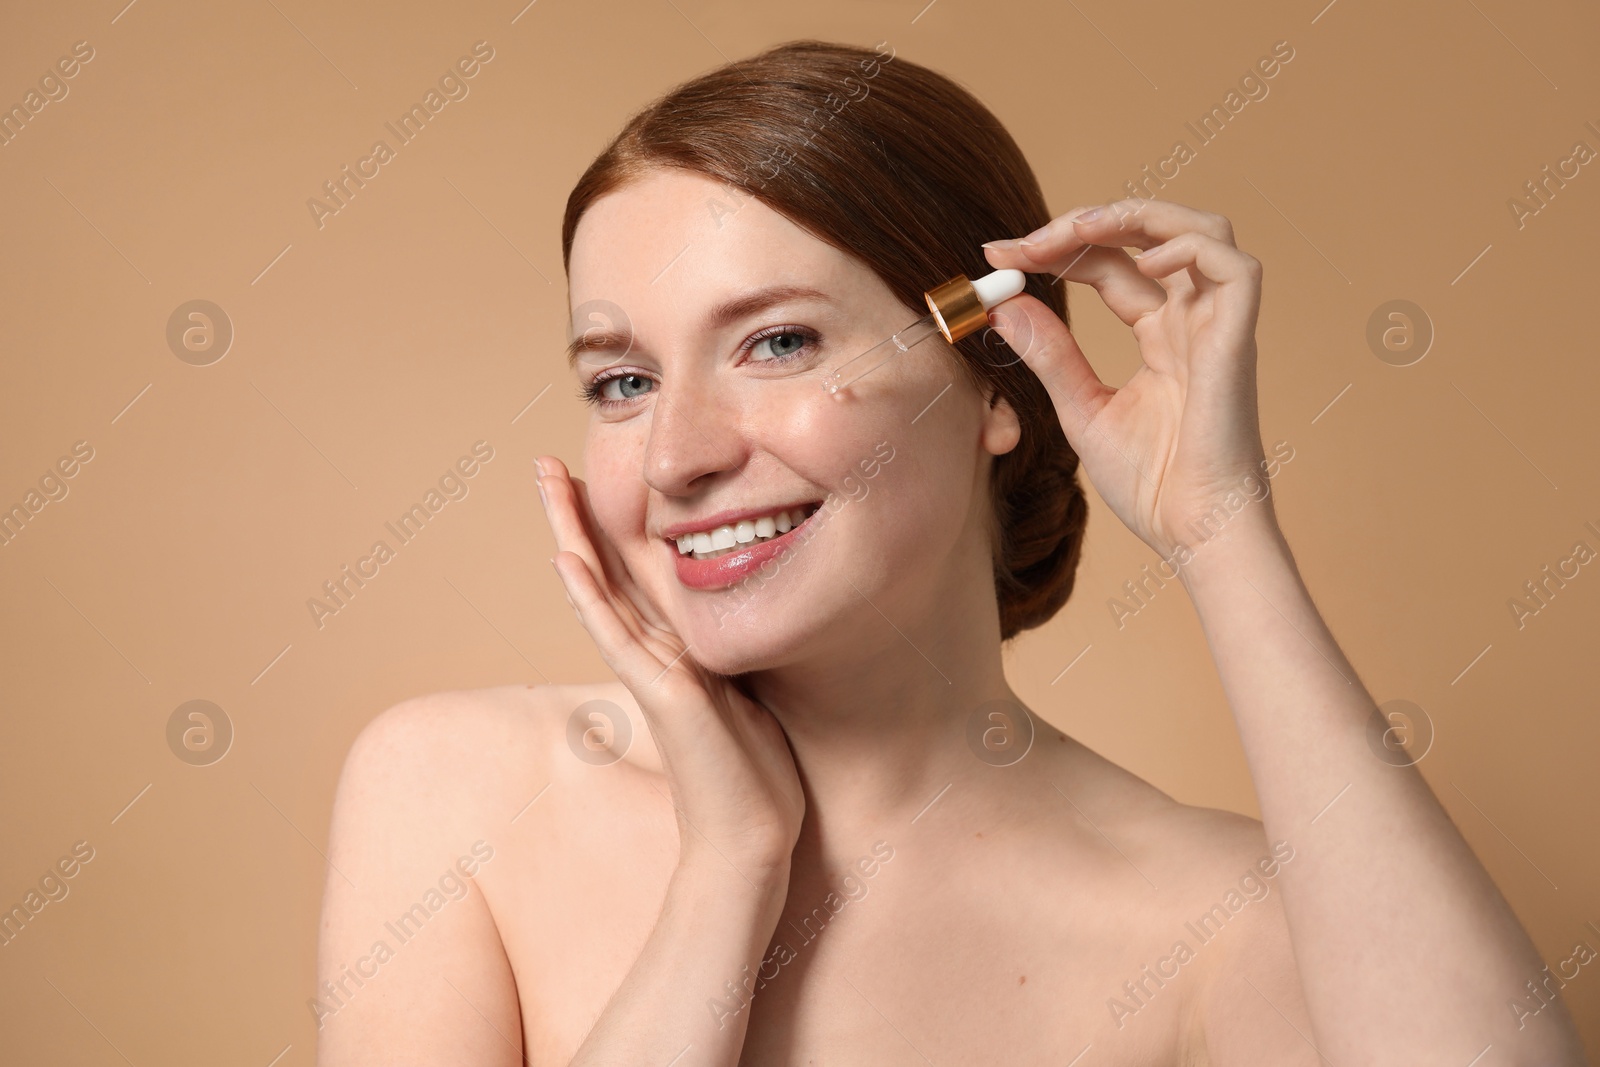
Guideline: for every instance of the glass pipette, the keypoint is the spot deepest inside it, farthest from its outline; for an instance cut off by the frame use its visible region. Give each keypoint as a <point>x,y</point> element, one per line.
<point>957,308</point>
<point>853,370</point>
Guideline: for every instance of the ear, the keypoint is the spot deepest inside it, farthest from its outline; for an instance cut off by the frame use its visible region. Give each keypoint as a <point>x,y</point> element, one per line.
<point>1001,430</point>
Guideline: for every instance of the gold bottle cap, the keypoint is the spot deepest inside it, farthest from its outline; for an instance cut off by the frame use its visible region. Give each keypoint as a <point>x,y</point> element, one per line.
<point>956,308</point>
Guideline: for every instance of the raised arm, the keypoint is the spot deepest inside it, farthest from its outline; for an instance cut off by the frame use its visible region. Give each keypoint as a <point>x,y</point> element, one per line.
<point>1384,893</point>
<point>739,806</point>
<point>1406,951</point>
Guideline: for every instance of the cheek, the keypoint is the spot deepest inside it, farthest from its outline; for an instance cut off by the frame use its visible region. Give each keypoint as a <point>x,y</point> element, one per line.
<point>829,435</point>
<point>836,447</point>
<point>918,415</point>
<point>911,506</point>
<point>612,462</point>
<point>902,485</point>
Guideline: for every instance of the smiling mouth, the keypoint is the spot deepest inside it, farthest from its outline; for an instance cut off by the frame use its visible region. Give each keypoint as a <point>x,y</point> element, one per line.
<point>732,537</point>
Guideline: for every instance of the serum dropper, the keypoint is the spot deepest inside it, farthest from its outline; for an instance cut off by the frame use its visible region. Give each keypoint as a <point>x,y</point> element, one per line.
<point>956,308</point>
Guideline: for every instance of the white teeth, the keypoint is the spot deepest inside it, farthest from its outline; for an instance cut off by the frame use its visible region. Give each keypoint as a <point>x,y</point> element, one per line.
<point>708,544</point>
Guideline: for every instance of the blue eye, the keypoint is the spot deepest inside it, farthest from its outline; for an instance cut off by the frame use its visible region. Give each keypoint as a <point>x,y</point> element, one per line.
<point>630,385</point>
<point>786,342</point>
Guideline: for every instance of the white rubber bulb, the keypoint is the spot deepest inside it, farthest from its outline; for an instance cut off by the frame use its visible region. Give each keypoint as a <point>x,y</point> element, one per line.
<point>999,285</point>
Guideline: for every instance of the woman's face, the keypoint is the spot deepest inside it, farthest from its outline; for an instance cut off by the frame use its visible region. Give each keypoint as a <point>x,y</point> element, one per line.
<point>704,322</point>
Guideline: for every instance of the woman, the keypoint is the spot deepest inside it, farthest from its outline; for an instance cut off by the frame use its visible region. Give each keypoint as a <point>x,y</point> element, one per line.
<point>811,822</point>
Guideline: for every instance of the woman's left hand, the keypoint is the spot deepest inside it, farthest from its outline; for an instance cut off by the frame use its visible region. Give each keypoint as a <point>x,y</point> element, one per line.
<point>1165,448</point>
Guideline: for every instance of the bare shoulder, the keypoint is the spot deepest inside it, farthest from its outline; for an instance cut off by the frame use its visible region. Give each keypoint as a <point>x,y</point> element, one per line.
<point>422,819</point>
<point>432,775</point>
<point>1188,842</point>
<point>438,731</point>
<point>1225,935</point>
<point>459,753</point>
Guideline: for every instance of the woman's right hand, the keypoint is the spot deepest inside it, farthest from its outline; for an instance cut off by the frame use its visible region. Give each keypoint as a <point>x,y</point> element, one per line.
<point>726,759</point>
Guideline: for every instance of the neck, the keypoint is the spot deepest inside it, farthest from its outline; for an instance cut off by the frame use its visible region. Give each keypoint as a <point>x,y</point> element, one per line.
<point>878,719</point>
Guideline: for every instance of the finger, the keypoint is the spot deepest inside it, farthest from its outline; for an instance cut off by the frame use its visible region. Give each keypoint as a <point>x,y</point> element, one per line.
<point>1053,246</point>
<point>578,532</point>
<point>1139,222</point>
<point>1220,379</point>
<point>1062,242</point>
<point>1111,272</point>
<point>1146,222</point>
<point>628,659</point>
<point>1050,351</point>
<point>561,510</point>
<point>615,569</point>
<point>610,560</point>
<point>1235,277</point>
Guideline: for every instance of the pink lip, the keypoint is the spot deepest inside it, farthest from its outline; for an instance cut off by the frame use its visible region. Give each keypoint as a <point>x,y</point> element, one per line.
<point>728,569</point>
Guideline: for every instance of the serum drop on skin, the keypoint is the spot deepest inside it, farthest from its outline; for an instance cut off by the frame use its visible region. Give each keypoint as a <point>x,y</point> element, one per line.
<point>956,308</point>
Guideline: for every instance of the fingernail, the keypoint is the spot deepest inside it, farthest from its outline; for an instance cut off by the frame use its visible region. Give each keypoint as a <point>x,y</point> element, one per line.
<point>1002,246</point>
<point>544,502</point>
<point>1037,235</point>
<point>1090,215</point>
<point>539,467</point>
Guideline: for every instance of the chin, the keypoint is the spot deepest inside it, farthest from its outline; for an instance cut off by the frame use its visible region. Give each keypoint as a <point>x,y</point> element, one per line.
<point>731,661</point>
<point>746,640</point>
<point>783,623</point>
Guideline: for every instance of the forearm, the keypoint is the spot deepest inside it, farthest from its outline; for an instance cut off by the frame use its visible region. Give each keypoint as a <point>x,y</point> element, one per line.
<point>1403,942</point>
<point>688,990</point>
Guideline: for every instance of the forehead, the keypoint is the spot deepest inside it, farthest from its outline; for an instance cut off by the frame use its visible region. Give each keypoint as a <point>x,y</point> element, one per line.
<point>677,241</point>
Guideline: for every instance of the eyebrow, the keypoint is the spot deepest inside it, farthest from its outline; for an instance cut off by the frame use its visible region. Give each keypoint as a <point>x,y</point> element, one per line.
<point>720,317</point>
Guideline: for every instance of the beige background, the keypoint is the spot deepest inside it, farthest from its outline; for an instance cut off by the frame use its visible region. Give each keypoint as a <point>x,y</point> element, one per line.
<point>372,352</point>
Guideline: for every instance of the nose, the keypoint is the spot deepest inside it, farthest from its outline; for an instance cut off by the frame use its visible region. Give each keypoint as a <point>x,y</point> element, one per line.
<point>694,432</point>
